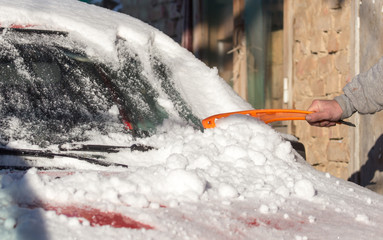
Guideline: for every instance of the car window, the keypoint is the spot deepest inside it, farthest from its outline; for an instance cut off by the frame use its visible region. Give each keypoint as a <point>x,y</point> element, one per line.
<point>133,78</point>
<point>163,73</point>
<point>137,97</point>
<point>52,93</point>
<point>49,97</point>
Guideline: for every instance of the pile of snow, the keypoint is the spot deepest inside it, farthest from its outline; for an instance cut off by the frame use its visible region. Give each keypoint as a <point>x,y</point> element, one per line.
<point>241,180</point>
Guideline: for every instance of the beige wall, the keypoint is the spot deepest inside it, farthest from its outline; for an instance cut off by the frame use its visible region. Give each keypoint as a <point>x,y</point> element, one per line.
<point>321,66</point>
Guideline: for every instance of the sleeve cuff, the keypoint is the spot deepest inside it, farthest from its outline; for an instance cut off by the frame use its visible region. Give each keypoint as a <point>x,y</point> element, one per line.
<point>346,105</point>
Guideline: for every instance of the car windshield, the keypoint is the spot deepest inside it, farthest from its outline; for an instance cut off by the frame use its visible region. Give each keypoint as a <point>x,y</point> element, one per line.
<point>52,93</point>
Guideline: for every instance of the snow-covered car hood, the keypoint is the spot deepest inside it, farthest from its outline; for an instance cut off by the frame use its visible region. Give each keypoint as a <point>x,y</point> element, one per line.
<point>240,180</point>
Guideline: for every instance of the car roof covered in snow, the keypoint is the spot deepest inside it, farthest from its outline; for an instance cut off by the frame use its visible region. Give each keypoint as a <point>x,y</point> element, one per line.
<point>201,86</point>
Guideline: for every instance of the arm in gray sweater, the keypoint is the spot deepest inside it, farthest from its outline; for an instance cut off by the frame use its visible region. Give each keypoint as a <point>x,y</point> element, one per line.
<point>364,94</point>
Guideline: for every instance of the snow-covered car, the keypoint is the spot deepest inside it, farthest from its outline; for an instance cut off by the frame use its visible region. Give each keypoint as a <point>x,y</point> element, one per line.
<point>101,138</point>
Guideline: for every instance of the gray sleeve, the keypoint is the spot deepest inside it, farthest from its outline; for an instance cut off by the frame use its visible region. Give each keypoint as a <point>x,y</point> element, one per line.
<point>346,105</point>
<point>364,93</point>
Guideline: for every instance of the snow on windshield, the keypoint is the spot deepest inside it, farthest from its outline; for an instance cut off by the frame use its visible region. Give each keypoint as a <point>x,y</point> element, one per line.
<point>240,180</point>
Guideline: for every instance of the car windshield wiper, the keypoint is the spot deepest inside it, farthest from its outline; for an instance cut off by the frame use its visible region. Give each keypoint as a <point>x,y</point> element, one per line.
<point>50,154</point>
<point>104,148</point>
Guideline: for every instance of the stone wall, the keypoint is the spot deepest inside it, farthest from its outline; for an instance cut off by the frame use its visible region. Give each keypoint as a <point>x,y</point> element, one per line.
<point>321,67</point>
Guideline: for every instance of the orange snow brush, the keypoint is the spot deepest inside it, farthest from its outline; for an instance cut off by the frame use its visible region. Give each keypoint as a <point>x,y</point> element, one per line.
<point>266,115</point>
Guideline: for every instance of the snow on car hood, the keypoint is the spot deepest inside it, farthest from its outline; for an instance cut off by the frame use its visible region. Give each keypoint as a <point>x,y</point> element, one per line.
<point>241,180</point>
<point>238,181</point>
<point>200,86</point>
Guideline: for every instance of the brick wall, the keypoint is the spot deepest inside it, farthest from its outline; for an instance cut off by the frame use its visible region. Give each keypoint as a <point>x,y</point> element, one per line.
<point>321,67</point>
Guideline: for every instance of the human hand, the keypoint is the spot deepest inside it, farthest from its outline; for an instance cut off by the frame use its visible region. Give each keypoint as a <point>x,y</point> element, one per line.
<point>326,113</point>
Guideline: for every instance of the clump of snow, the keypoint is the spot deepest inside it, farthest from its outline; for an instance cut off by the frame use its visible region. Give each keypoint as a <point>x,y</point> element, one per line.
<point>184,183</point>
<point>225,190</point>
<point>283,191</point>
<point>264,209</point>
<point>257,157</point>
<point>304,188</point>
<point>362,218</point>
<point>9,223</point>
<point>177,161</point>
<point>312,219</point>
